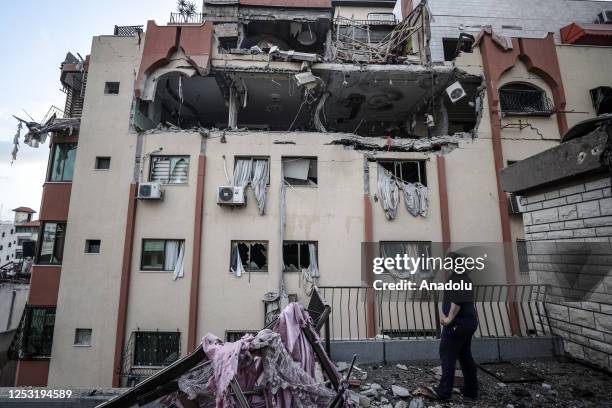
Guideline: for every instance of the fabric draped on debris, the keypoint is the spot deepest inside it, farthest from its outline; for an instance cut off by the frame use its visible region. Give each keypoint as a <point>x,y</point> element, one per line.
<point>280,362</point>
<point>415,195</point>
<point>311,274</point>
<point>38,132</point>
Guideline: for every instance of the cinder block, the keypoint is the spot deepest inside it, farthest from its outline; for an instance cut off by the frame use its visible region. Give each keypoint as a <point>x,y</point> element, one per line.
<point>592,195</point>
<point>568,212</point>
<point>559,234</point>
<point>603,322</point>
<point>544,216</point>
<point>597,184</point>
<point>584,232</point>
<point>598,222</point>
<point>557,202</point>
<point>582,317</point>
<point>573,199</point>
<point>605,206</point>
<point>588,210</point>
<point>579,188</point>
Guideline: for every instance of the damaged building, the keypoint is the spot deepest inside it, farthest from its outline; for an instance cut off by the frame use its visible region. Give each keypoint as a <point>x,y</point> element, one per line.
<point>206,172</point>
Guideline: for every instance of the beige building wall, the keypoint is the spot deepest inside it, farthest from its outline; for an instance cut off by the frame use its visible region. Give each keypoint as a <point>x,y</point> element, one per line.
<point>89,286</point>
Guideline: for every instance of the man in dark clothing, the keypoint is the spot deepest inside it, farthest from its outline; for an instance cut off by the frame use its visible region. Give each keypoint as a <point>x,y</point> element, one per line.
<point>460,321</point>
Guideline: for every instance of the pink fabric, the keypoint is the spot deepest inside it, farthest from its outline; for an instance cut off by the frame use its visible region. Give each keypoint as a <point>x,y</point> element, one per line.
<point>289,326</point>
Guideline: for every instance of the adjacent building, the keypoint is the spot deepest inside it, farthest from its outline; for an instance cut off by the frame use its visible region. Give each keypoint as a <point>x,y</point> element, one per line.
<point>206,171</point>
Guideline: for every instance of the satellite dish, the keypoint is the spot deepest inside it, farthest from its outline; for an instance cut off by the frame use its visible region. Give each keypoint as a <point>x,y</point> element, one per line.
<point>456,92</point>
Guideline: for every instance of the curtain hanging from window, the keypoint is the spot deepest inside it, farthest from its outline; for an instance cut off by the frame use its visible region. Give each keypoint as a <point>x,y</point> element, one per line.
<point>242,172</point>
<point>171,255</point>
<point>415,198</point>
<point>388,192</point>
<point>179,270</point>
<point>259,183</point>
<point>236,266</point>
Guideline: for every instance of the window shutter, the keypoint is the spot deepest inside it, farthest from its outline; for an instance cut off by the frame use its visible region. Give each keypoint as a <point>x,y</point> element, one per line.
<point>179,170</point>
<point>160,170</point>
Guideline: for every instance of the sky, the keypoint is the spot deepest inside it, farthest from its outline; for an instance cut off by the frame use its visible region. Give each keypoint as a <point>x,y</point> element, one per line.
<point>37,35</point>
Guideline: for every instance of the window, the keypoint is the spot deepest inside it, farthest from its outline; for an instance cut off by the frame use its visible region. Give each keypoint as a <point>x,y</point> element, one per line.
<point>1,247</point>
<point>255,162</point>
<point>82,337</point>
<point>408,171</point>
<point>103,162</point>
<point>12,231</point>
<point>453,46</point>
<point>521,251</point>
<point>161,254</point>
<point>414,249</point>
<point>111,88</point>
<point>524,99</point>
<point>169,169</point>
<point>7,257</point>
<point>92,246</point>
<point>9,244</point>
<point>252,255</point>
<point>300,171</point>
<point>52,243</point>
<point>62,166</point>
<point>156,348</point>
<point>297,255</point>
<point>34,336</point>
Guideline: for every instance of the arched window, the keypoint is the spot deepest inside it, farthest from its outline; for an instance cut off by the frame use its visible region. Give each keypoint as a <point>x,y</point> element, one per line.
<point>518,98</point>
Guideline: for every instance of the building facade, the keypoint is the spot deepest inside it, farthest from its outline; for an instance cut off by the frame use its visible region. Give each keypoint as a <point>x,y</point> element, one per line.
<point>206,171</point>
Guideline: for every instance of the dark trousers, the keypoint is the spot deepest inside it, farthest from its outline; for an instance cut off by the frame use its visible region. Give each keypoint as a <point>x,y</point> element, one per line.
<point>456,344</point>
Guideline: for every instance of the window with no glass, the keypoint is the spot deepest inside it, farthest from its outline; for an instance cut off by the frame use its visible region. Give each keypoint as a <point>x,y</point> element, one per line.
<point>169,169</point>
<point>408,171</point>
<point>62,165</point>
<point>82,337</point>
<point>249,256</point>
<point>111,88</point>
<point>300,171</point>
<point>154,348</point>
<point>103,162</point>
<point>92,246</point>
<point>161,254</point>
<point>298,255</point>
<point>51,247</point>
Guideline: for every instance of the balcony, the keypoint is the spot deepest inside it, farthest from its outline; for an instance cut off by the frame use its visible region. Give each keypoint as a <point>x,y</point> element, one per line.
<point>530,102</point>
<point>181,19</point>
<point>127,31</point>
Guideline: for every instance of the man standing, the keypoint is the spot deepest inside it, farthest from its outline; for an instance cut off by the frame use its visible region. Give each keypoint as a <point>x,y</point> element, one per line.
<point>429,121</point>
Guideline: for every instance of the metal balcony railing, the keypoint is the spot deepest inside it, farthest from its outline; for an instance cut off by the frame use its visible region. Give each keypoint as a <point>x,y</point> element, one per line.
<point>525,102</point>
<point>127,31</point>
<point>362,313</point>
<point>178,18</point>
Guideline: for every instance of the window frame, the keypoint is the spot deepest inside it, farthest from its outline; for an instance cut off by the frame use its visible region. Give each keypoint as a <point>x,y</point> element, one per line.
<point>529,87</point>
<point>76,332</point>
<point>242,157</point>
<point>88,243</point>
<point>309,182</point>
<point>43,351</point>
<point>165,240</point>
<point>250,243</point>
<point>154,332</point>
<point>109,87</point>
<point>40,242</point>
<point>97,163</point>
<point>397,164</point>
<point>380,252</point>
<point>299,242</point>
<point>170,157</point>
<point>52,164</point>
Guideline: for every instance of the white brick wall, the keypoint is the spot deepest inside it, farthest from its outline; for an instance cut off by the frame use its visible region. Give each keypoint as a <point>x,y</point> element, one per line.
<point>535,17</point>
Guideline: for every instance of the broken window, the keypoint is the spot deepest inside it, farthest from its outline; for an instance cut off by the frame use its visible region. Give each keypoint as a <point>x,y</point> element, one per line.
<point>300,171</point>
<point>82,337</point>
<point>297,255</point>
<point>111,88</point>
<point>381,17</point>
<point>407,171</point>
<point>521,251</point>
<point>156,349</point>
<point>164,255</point>
<point>169,169</point>
<point>524,99</point>
<point>92,246</point>
<point>62,166</point>
<point>249,256</point>
<point>413,249</point>
<point>454,46</point>
<point>51,250</point>
<point>102,163</point>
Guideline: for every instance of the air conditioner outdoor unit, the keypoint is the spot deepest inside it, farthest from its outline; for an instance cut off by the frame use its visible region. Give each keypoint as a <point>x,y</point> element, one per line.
<point>605,17</point>
<point>231,195</point>
<point>150,191</point>
<point>456,92</point>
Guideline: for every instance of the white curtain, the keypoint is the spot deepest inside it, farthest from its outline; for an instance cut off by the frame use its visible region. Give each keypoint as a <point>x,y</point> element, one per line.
<point>171,255</point>
<point>236,265</point>
<point>179,168</point>
<point>259,183</point>
<point>179,270</point>
<point>242,172</point>
<point>388,192</point>
<point>415,198</point>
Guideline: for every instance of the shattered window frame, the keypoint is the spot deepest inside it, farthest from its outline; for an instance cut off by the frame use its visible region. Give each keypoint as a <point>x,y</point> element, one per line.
<point>61,169</point>
<point>300,249</point>
<point>246,260</point>
<point>156,357</point>
<point>169,179</point>
<point>52,242</point>
<point>236,158</point>
<point>312,179</point>
<point>398,169</point>
<point>149,268</point>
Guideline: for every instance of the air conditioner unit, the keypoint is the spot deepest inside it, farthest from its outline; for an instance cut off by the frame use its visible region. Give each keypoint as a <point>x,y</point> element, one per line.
<point>514,203</point>
<point>605,17</point>
<point>231,195</point>
<point>150,191</point>
<point>456,92</point>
